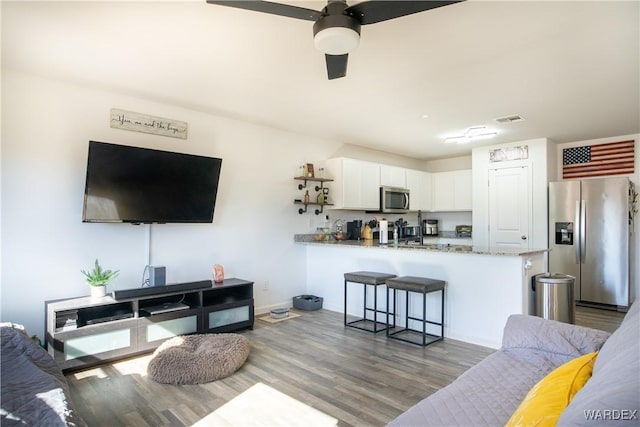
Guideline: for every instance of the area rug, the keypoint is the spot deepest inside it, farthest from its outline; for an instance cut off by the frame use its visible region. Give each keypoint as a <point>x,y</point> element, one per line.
<point>267,318</point>
<point>262,405</point>
<point>197,359</point>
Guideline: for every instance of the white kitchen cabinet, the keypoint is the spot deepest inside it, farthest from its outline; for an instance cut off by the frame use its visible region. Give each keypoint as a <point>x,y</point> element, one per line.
<point>462,190</point>
<point>393,176</point>
<point>451,191</point>
<point>356,184</point>
<point>419,185</point>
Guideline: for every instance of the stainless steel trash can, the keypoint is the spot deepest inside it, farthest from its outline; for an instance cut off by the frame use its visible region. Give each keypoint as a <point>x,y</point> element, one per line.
<point>554,297</point>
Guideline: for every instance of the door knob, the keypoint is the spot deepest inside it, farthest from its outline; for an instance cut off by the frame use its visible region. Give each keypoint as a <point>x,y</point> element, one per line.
<point>523,237</point>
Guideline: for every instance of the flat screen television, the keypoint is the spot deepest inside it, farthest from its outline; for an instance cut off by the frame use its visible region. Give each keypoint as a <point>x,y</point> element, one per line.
<point>141,185</point>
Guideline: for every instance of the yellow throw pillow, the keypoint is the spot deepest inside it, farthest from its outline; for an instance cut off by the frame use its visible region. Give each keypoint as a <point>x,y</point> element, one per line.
<point>546,400</point>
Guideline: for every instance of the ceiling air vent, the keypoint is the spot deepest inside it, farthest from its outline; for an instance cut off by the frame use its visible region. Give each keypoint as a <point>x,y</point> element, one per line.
<point>510,119</point>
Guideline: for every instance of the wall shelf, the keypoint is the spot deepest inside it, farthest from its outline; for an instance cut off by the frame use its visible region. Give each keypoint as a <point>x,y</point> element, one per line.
<point>306,205</point>
<point>307,178</point>
<point>317,188</point>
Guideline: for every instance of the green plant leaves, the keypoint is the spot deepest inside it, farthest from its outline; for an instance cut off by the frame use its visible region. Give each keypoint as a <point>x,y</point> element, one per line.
<point>98,276</point>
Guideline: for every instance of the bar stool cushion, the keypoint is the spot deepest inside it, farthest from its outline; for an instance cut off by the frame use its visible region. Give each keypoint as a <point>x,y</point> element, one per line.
<point>415,284</point>
<point>368,277</point>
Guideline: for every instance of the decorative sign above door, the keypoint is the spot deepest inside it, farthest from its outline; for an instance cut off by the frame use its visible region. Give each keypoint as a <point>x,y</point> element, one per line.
<point>509,153</point>
<point>128,120</point>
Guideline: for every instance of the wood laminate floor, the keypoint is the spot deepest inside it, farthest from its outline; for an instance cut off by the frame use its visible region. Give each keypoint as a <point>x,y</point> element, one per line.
<point>357,377</point>
<point>597,318</point>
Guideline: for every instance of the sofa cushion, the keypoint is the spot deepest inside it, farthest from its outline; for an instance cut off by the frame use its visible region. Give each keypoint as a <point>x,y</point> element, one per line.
<point>485,395</point>
<point>489,392</point>
<point>560,342</point>
<point>612,395</point>
<point>546,400</point>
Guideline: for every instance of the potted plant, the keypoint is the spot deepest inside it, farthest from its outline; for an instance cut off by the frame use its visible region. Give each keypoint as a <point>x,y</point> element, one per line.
<point>98,279</point>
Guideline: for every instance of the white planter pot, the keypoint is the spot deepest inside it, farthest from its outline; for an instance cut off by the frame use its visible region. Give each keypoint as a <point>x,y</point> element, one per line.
<point>98,291</point>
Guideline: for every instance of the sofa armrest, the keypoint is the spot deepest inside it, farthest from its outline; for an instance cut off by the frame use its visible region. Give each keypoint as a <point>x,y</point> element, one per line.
<point>550,336</point>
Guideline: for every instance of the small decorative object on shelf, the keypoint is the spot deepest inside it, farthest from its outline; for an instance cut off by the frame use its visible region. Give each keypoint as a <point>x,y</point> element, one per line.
<point>98,279</point>
<point>308,170</point>
<point>218,273</point>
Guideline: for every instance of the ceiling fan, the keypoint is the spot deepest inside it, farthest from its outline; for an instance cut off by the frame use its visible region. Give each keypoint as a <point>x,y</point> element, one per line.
<point>336,28</point>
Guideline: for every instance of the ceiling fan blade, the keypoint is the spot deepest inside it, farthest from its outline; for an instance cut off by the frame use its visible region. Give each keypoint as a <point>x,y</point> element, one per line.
<point>336,66</point>
<point>272,8</point>
<point>370,12</point>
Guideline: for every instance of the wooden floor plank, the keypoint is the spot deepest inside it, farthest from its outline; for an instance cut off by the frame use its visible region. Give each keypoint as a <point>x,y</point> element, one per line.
<point>355,376</point>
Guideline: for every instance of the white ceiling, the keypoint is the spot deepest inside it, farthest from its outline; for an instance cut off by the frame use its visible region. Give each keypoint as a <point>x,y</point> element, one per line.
<point>571,69</point>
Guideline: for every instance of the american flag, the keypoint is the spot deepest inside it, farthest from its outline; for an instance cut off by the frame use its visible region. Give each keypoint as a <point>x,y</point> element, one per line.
<point>614,158</point>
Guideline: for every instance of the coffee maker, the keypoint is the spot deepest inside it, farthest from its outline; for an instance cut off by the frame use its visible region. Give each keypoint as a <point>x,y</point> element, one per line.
<point>354,228</point>
<point>430,227</point>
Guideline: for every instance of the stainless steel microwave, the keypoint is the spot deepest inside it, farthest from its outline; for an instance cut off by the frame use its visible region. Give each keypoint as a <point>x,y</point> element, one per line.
<point>394,199</point>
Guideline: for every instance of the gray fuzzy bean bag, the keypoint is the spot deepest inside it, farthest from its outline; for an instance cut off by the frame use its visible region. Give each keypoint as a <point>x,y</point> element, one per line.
<point>196,359</point>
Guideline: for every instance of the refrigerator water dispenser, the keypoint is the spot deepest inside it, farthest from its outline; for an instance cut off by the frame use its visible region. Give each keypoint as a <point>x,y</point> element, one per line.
<point>564,233</point>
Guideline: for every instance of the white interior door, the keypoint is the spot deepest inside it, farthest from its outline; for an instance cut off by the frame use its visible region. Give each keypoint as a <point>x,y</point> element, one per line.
<point>509,207</point>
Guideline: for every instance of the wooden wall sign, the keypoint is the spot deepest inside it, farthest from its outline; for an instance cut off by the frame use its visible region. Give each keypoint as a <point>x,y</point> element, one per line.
<point>509,153</point>
<point>128,120</point>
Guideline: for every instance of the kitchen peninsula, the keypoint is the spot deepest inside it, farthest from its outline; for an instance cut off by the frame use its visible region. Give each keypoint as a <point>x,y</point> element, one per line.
<point>484,285</point>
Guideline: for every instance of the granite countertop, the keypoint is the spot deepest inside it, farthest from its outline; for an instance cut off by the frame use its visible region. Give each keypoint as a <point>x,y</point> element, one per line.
<point>308,239</point>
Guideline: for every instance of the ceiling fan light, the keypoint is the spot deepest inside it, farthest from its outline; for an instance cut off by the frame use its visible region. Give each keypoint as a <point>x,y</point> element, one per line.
<point>471,134</point>
<point>336,40</point>
<point>457,140</point>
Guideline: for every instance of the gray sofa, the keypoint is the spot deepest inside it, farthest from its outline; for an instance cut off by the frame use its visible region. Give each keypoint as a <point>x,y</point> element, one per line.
<point>34,390</point>
<point>489,393</point>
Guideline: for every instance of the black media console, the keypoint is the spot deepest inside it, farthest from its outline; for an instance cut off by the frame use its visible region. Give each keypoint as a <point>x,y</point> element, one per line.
<point>85,331</point>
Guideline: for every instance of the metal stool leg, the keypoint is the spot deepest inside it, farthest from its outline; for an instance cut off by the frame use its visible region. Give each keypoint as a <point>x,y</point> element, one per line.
<point>442,314</point>
<point>387,292</point>
<point>375,310</point>
<point>345,302</point>
<point>406,309</point>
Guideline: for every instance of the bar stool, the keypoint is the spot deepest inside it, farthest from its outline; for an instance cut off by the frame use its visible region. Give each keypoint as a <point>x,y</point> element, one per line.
<point>415,285</point>
<point>366,278</point>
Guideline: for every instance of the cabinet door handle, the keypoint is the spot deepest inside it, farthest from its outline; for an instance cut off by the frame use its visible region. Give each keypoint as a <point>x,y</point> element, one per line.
<point>523,237</point>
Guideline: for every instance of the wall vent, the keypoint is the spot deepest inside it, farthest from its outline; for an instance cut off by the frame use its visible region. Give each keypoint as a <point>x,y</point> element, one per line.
<point>510,119</point>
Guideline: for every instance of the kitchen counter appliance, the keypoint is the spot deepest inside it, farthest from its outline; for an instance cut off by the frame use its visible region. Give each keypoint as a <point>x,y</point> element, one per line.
<point>430,227</point>
<point>463,230</point>
<point>354,228</point>
<point>410,231</point>
<point>394,200</point>
<point>589,238</point>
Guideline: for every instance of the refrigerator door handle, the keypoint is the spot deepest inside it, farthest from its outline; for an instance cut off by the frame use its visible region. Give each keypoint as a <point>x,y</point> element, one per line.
<point>583,230</point>
<point>578,229</point>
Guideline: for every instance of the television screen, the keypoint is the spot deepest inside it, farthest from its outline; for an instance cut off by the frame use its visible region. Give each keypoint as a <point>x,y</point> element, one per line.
<point>141,185</point>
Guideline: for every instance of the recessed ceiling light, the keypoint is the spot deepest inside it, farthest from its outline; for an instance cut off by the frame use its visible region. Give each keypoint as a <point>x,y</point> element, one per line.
<point>424,116</point>
<point>471,134</point>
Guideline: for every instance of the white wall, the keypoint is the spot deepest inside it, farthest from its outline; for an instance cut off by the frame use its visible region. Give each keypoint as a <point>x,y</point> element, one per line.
<point>46,129</point>
<point>445,165</point>
<point>376,156</point>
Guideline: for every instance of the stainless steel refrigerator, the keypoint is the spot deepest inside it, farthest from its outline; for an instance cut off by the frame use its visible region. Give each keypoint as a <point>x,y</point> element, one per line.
<point>589,238</point>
